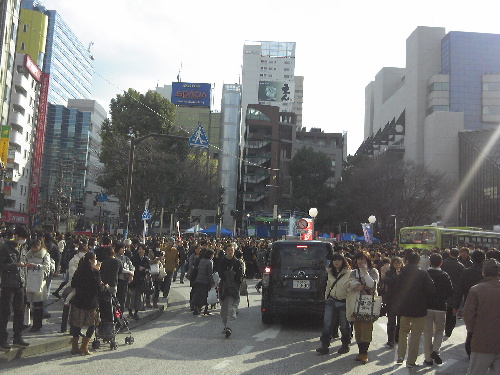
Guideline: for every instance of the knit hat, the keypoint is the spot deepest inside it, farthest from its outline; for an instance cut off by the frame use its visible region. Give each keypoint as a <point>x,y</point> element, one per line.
<point>491,268</point>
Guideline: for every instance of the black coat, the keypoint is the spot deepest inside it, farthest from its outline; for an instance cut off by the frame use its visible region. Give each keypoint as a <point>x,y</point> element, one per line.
<point>139,276</point>
<point>470,277</point>
<point>11,275</point>
<point>444,289</point>
<point>414,287</point>
<point>87,282</point>
<point>454,269</point>
<point>390,279</point>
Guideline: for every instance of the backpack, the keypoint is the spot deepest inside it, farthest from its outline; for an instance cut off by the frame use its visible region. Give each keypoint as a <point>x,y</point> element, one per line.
<point>193,272</point>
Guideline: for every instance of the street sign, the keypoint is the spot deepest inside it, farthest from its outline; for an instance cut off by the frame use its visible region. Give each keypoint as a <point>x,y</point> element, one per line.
<point>102,197</point>
<point>146,215</point>
<point>199,138</point>
<point>302,224</point>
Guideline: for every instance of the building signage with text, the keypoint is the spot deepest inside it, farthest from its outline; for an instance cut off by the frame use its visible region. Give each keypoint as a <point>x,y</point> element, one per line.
<point>191,94</point>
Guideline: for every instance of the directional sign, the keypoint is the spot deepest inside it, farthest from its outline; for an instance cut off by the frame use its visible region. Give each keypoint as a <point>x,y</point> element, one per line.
<point>199,138</point>
<point>146,215</point>
<point>302,224</point>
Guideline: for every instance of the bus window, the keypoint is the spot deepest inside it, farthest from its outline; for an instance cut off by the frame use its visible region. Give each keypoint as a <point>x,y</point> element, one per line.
<point>418,236</point>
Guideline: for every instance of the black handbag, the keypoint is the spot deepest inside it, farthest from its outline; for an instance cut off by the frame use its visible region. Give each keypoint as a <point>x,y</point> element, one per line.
<point>147,287</point>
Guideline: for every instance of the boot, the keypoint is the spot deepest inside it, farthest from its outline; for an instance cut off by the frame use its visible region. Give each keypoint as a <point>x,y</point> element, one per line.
<point>37,320</point>
<point>64,321</point>
<point>84,349</point>
<point>19,342</point>
<point>155,303</point>
<point>56,292</point>
<point>148,303</point>
<point>4,345</point>
<point>364,352</point>
<point>344,348</point>
<point>360,350</point>
<point>74,345</point>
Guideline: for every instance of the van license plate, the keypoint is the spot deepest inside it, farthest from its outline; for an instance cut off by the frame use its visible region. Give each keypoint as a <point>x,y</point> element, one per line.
<point>301,284</point>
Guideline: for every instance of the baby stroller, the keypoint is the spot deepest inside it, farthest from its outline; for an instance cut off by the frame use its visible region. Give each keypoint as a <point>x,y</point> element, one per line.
<point>112,322</point>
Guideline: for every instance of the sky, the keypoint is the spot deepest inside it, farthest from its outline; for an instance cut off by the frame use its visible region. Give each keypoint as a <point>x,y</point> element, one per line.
<point>340,46</point>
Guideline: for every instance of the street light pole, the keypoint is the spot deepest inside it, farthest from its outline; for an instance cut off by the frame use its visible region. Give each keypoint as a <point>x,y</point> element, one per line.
<point>395,229</point>
<point>128,193</point>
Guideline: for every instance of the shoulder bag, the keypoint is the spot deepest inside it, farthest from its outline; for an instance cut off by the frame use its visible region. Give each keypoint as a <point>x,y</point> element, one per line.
<point>367,307</point>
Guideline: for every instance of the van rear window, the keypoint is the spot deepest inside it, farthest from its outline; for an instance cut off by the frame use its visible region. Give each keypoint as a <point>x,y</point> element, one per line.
<point>293,256</point>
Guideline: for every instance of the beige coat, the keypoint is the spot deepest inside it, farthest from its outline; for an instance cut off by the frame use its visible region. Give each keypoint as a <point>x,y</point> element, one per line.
<point>171,258</point>
<point>42,258</point>
<point>339,291</point>
<point>482,316</point>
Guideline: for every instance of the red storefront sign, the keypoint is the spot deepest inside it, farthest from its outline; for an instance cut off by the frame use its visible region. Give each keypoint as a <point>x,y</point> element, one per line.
<point>308,231</point>
<point>34,70</point>
<point>14,217</point>
<point>36,164</point>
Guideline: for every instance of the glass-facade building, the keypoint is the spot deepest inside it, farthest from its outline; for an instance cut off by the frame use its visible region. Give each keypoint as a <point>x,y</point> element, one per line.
<point>66,59</point>
<point>67,137</point>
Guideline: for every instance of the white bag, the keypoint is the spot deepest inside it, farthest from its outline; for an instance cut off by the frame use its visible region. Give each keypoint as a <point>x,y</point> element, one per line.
<point>367,307</point>
<point>212,297</point>
<point>34,280</point>
<point>154,269</point>
<point>161,272</point>
<point>27,316</point>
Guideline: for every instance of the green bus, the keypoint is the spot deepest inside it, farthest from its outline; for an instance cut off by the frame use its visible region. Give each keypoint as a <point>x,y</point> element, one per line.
<point>429,237</point>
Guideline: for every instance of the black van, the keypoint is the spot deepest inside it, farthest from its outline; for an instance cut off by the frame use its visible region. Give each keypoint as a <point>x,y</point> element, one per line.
<point>294,279</point>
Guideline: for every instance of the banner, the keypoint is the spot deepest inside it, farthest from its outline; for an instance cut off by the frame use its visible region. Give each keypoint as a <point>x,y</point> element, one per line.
<point>191,94</point>
<point>367,232</point>
<point>36,164</point>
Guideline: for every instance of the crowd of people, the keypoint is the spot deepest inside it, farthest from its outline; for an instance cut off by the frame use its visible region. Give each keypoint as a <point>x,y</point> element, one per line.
<point>423,291</point>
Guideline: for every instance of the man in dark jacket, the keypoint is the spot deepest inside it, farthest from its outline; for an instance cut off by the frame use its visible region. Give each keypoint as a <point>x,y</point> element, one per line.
<point>110,269</point>
<point>413,288</point>
<point>55,255</point>
<point>436,311</point>
<point>13,280</point>
<point>470,277</point>
<point>454,269</point>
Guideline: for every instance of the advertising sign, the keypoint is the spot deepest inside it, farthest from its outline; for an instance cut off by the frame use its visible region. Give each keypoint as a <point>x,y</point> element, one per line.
<point>36,164</point>
<point>14,217</point>
<point>272,91</point>
<point>307,235</point>
<point>4,144</point>
<point>191,94</point>
<point>367,232</point>
<point>33,69</point>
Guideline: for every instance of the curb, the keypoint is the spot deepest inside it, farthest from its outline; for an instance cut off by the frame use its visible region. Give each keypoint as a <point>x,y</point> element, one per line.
<point>62,340</point>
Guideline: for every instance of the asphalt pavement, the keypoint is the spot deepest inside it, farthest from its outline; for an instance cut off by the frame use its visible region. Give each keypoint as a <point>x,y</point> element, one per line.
<point>49,338</point>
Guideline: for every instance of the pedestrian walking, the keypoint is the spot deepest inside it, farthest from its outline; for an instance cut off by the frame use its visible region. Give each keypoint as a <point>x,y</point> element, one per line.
<point>125,277</point>
<point>393,320</point>
<point>135,296</point>
<point>231,273</point>
<point>413,288</point>
<point>335,305</point>
<point>12,283</point>
<point>436,311</point>
<point>482,317</point>
<point>363,278</point>
<point>84,312</point>
<point>203,283</point>
<point>171,262</point>
<point>454,269</point>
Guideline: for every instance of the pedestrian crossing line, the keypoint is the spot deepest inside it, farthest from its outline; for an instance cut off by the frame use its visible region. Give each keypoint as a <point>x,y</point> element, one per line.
<point>223,364</point>
<point>245,350</point>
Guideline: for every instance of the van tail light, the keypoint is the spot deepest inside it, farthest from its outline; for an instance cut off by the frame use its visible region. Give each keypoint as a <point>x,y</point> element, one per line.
<point>266,276</point>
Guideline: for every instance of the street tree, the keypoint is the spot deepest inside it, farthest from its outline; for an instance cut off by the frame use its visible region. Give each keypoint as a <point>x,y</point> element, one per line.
<point>387,187</point>
<point>166,171</point>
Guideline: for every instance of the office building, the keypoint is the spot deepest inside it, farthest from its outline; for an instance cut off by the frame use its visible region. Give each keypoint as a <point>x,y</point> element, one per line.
<point>438,108</point>
<point>65,58</point>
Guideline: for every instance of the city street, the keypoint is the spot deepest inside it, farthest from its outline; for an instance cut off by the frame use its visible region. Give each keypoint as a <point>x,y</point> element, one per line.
<point>180,343</point>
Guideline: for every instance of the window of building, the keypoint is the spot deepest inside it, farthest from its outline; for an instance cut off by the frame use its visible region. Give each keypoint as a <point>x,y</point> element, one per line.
<point>491,86</point>
<point>22,46</point>
<point>25,28</point>
<point>255,114</point>
<point>438,86</point>
<point>491,109</point>
<point>435,108</point>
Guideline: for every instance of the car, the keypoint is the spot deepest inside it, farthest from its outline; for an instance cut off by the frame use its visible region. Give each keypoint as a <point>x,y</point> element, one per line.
<point>294,279</point>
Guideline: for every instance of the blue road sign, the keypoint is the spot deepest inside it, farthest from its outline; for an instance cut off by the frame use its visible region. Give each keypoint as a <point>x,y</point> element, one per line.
<point>102,197</point>
<point>199,138</point>
<point>146,215</point>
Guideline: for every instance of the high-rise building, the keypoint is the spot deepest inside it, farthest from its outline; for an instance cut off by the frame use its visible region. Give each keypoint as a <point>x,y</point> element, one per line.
<point>9,20</point>
<point>430,111</point>
<point>228,165</point>
<point>65,58</point>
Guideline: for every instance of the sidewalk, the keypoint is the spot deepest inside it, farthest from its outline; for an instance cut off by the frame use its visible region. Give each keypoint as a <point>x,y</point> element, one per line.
<point>49,338</point>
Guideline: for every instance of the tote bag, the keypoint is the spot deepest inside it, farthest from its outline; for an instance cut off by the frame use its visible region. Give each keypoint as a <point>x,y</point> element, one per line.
<point>34,281</point>
<point>367,307</point>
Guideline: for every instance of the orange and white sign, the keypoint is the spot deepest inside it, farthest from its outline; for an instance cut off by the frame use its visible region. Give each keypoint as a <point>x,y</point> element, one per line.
<point>308,231</point>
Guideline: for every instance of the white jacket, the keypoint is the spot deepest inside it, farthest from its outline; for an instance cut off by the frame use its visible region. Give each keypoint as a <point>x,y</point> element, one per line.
<point>73,264</point>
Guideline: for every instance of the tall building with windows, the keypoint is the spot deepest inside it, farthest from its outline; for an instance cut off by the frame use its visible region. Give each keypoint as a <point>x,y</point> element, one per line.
<point>9,20</point>
<point>438,111</point>
<point>65,58</point>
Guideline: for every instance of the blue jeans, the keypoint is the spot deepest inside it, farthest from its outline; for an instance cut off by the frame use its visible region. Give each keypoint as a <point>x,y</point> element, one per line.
<point>335,314</point>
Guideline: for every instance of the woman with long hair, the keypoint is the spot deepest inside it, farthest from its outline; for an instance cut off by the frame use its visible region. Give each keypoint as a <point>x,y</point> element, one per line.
<point>203,283</point>
<point>335,305</point>
<point>84,312</point>
<point>362,279</point>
